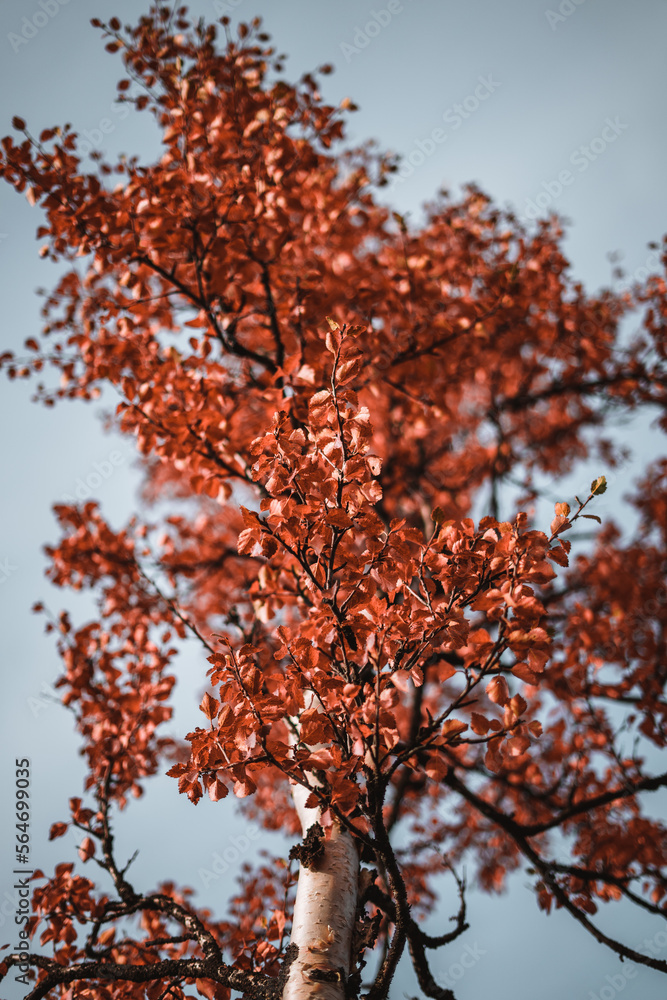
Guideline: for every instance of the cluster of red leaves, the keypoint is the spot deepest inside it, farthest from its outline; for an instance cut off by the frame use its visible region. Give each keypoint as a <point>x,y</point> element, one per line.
<point>142,939</point>
<point>115,675</point>
<point>260,916</point>
<point>380,613</point>
<point>366,638</point>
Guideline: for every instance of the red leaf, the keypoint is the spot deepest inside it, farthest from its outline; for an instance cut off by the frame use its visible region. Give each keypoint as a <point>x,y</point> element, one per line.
<point>209,706</point>
<point>453,727</point>
<point>87,848</point>
<point>493,759</point>
<point>559,555</point>
<point>217,790</point>
<point>498,690</point>
<point>559,523</point>
<point>401,680</point>
<point>479,724</point>
<point>524,673</point>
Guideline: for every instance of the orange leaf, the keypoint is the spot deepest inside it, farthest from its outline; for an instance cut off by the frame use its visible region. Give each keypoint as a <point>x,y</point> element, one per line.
<point>479,724</point>
<point>453,727</point>
<point>217,790</point>
<point>209,706</point>
<point>87,848</point>
<point>498,690</point>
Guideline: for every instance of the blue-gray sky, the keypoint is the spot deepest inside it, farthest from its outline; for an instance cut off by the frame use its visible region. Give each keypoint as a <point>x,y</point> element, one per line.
<point>518,93</point>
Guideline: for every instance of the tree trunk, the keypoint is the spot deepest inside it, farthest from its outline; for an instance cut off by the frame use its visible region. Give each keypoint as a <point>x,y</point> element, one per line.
<point>324,914</point>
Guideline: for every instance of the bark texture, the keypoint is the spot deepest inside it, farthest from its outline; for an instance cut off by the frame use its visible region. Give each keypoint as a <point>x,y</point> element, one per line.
<point>324,914</point>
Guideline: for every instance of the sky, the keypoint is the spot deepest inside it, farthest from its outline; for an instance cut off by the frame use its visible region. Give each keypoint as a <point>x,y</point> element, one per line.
<point>547,108</point>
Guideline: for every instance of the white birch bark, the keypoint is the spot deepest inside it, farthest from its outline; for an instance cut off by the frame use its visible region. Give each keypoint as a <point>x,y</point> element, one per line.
<point>324,913</point>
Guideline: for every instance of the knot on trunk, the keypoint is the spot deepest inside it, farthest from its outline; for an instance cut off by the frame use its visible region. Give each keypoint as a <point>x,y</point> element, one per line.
<point>311,849</point>
<point>324,973</point>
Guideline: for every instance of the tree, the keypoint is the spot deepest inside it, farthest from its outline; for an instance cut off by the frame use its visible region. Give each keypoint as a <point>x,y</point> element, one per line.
<point>323,397</point>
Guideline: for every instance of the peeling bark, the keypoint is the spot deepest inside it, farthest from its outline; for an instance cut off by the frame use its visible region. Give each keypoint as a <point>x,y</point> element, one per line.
<point>324,914</point>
